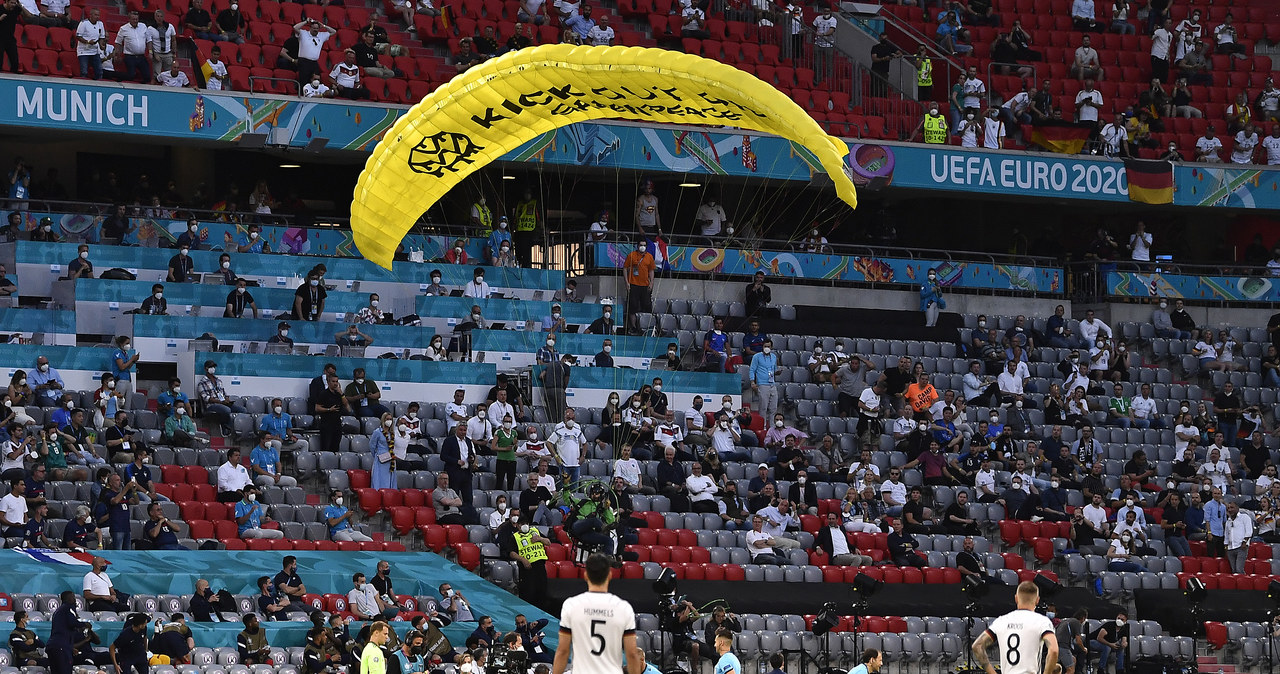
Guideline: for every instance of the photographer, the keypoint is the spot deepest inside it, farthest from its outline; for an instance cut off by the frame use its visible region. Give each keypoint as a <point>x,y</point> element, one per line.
<point>678,616</point>
<point>1083,535</point>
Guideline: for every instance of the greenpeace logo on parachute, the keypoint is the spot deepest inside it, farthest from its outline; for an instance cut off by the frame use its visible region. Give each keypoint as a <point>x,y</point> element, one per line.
<point>648,102</point>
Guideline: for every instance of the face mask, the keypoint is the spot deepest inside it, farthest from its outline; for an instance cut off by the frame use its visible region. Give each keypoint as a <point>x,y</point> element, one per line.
<point>211,370</point>
<point>22,382</point>
<point>480,279</point>
<point>1075,360</point>
<point>435,279</point>
<point>475,317</point>
<point>524,528</point>
<point>995,420</point>
<point>413,415</point>
<point>253,235</point>
<point>933,277</point>
<point>555,315</point>
<point>180,411</point>
<point>657,388</point>
<point>387,423</point>
<point>1017,485</point>
<point>457,250</point>
<point>551,342</point>
<point>1121,348</point>
<point>47,228</point>
<point>724,424</point>
<point>315,282</point>
<point>194,227</point>
<point>533,436</point>
<point>1128,502</point>
<point>226,264</point>
<point>110,385</point>
<point>480,414</point>
<point>933,111</point>
<point>284,333</point>
<point>767,350</point>
<point>778,424</point>
<point>568,423</point>
<point>507,425</point>
<point>183,252</point>
<point>251,497</point>
<point>240,291</point>
<point>982,324</point>
<point>969,116</point>
<point>635,405</point>
<point>671,352</point>
<point>277,409</point>
<point>817,351</point>
<point>373,303</point>
<point>84,255</point>
<point>159,296</point>
<point>801,480</point>
<point>608,349</point>
<point>337,501</point>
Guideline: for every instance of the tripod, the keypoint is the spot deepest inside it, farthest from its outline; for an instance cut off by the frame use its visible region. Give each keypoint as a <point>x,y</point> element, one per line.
<point>969,612</point>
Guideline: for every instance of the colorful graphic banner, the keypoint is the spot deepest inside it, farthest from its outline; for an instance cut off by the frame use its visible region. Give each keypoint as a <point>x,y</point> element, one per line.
<point>1211,288</point>
<point>689,259</point>
<point>216,116</point>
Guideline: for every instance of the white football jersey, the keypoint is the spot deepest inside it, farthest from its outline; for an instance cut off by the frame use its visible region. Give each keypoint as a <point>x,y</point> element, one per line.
<point>1018,638</point>
<point>596,622</point>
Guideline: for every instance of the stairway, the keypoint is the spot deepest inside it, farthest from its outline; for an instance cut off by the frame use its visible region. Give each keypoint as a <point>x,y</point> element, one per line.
<point>1208,664</point>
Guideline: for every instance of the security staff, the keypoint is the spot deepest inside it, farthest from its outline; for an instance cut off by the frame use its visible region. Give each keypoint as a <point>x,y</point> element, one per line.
<point>934,126</point>
<point>531,552</point>
<point>924,75</point>
<point>528,218</point>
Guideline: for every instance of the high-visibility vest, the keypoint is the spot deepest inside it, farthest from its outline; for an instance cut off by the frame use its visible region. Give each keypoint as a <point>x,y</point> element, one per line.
<point>935,129</point>
<point>527,216</point>
<point>924,77</point>
<point>529,548</point>
<point>486,217</point>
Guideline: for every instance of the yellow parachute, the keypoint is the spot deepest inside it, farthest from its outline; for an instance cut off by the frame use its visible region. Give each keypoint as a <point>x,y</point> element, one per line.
<point>493,108</point>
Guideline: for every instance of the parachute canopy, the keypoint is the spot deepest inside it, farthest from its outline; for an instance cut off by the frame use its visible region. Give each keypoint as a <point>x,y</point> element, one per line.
<point>493,108</point>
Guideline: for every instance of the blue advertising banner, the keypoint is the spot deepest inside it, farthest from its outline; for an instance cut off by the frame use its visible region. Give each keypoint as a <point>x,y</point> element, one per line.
<point>226,116</point>
<point>1213,288</point>
<point>953,274</point>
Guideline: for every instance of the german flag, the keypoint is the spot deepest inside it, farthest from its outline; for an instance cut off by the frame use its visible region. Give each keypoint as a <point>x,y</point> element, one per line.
<point>1061,136</point>
<point>1150,181</point>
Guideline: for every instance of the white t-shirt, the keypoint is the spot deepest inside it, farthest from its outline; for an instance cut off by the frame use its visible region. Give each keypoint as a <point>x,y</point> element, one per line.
<point>1178,443</point>
<point>1087,57</point>
<point>1225,34</point>
<point>1160,43</point>
<point>839,542</point>
<point>600,36</point>
<point>1243,151</point>
<point>972,91</point>
<point>1144,408</point>
<point>628,470</point>
<point>752,537</point>
<point>161,43</point>
<point>992,132</point>
<point>1206,350</point>
<point>711,217</point>
<point>822,25</point>
<point>1104,360</point>
<point>1095,516</point>
<point>14,509</point>
<point>568,442</point>
<point>597,623</point>
<point>698,18</point>
<point>1017,636</point>
<point>1141,245</point>
<point>701,488</point>
<point>345,76</point>
<point>1009,383</point>
<point>896,490</point>
<point>170,80</point>
<point>1210,146</point>
<point>968,130</point>
<point>310,46</point>
<point>1218,472</point>
<point>451,409</point>
<point>985,478</point>
<point>1272,145</point>
<point>1088,113</point>
<point>219,71</point>
<point>314,91</point>
<point>92,32</point>
<point>872,401</point>
<point>97,583</point>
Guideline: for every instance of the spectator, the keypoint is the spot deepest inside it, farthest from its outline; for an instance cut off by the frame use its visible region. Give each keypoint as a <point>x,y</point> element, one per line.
<point>1111,636</point>
<point>1246,145</point>
<point>363,395</point>
<point>99,592</point>
<point>1162,50</point>
<point>1272,145</point>
<point>173,77</point>
<point>233,477</point>
<point>346,78</point>
<point>951,37</point>
<point>159,531</point>
<point>902,547</point>
<point>231,24</point>
<point>199,22</point>
<point>90,33</point>
<point>215,72</point>
<point>447,503</point>
<point>161,33</point>
<point>464,58</point>
<point>1225,39</point>
<point>1194,66</point>
<point>310,44</point>
<point>367,51</point>
<point>133,43</point>
<point>1086,65</point>
<point>315,88</point>
<point>1182,101</point>
<point>1120,18</point>
<point>1082,16</point>
<point>522,36</point>
<point>129,650</point>
<point>1239,114</point>
<point>251,515</point>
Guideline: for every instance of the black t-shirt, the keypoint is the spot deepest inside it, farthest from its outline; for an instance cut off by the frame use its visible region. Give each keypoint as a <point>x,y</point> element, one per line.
<point>968,560</point>
<point>311,299</point>
<point>1183,321</point>
<point>229,21</point>
<point>329,399</point>
<point>197,17</point>
<point>1065,466</point>
<point>1085,534</point>
<point>165,536</point>
<point>238,301</point>
<point>170,643</point>
<point>531,498</point>
<point>901,546</point>
<point>1114,634</point>
<point>915,509</point>
<point>601,326</point>
<point>77,264</point>
<point>1173,516</point>
<point>115,226</point>
<point>1275,336</point>
<point>9,22</point>
<point>384,586</point>
<point>366,56</point>
<point>882,49</point>
<point>1255,459</point>
<point>1184,469</point>
<point>181,266</point>
<point>1224,401</point>
<point>513,394</point>
<point>896,381</point>
<point>955,510</point>
<point>485,45</point>
<point>264,601</point>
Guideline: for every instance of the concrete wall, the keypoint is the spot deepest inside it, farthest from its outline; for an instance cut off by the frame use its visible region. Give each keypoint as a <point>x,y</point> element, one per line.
<point>726,291</point>
<point>1214,317</point>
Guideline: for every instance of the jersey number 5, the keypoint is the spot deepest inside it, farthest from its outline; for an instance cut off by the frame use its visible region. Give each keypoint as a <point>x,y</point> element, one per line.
<point>599,638</point>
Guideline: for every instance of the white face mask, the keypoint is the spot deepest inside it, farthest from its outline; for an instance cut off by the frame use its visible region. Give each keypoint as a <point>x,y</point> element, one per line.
<point>84,255</point>
<point>502,506</point>
<point>801,479</point>
<point>778,424</point>
<point>183,252</point>
<point>982,324</point>
<point>373,303</point>
<point>360,380</point>
<point>923,427</point>
<point>177,390</point>
<point>337,501</point>
<point>724,424</point>
<point>180,411</point>
<point>251,497</point>
<point>1054,484</point>
<point>657,388</point>
<point>480,279</point>
<point>933,111</point>
<point>507,425</point>
<point>315,282</point>
<point>551,342</point>
<point>159,296</point>
<point>110,385</point>
<point>555,315</point>
<point>22,382</point>
<point>1164,305</point>
<point>194,227</point>
<point>608,348</point>
<point>767,350</point>
<point>533,437</point>
<point>387,423</point>
<point>1017,485</point>
<point>480,414</point>
<point>524,528</point>
<point>277,409</point>
<point>253,235</point>
<point>226,264</point>
<point>413,415</point>
<point>727,406</point>
<point>817,351</point>
<point>284,333</point>
<point>1128,502</point>
<point>568,423</point>
<point>435,279</point>
<point>635,405</point>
